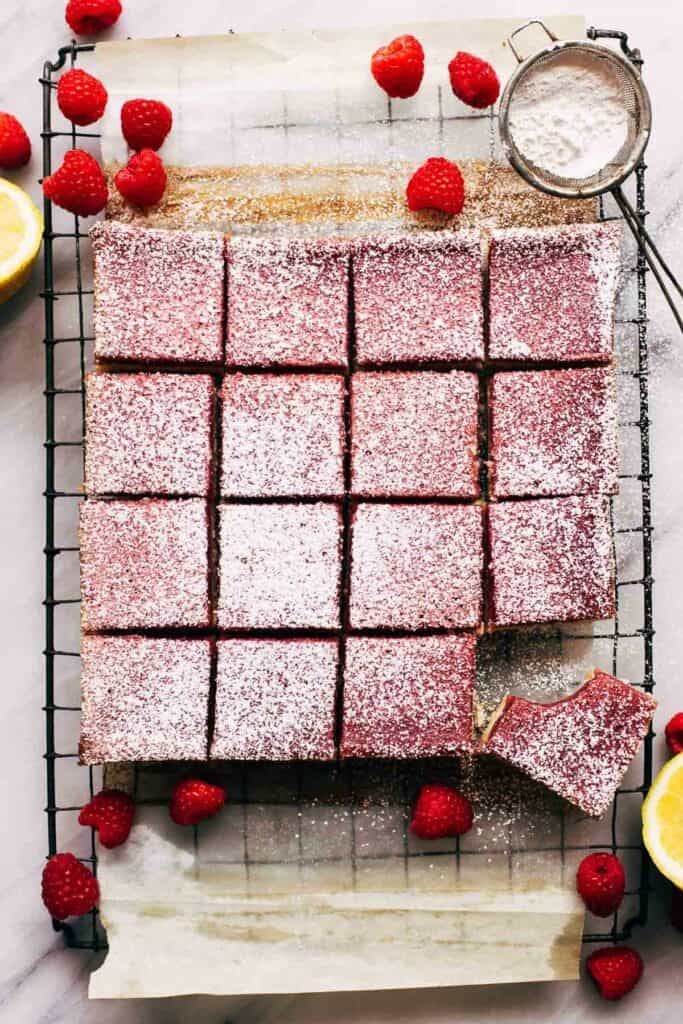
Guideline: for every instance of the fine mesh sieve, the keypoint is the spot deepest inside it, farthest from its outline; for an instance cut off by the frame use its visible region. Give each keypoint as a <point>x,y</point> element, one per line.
<point>608,178</point>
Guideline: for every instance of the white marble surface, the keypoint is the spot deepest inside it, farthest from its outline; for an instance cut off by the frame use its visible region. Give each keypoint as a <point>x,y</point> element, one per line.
<point>42,983</point>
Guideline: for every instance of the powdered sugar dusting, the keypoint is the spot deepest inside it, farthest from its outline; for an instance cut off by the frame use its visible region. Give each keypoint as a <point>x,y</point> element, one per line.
<point>275,699</point>
<point>408,697</point>
<point>579,747</point>
<point>283,435</point>
<point>416,566</point>
<point>287,302</point>
<point>551,560</point>
<point>148,433</point>
<point>553,432</point>
<point>419,297</point>
<point>415,434</point>
<point>552,292</point>
<point>144,564</point>
<point>280,566</point>
<point>144,699</point>
<point>158,294</point>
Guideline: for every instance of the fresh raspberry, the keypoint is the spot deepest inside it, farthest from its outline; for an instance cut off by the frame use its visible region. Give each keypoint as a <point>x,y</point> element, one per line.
<point>398,67</point>
<point>440,811</point>
<point>615,970</point>
<point>79,185</point>
<point>15,145</point>
<point>145,123</point>
<point>81,97</point>
<point>69,888</point>
<point>600,882</point>
<point>436,185</point>
<point>673,730</point>
<point>473,80</point>
<point>111,812</point>
<point>193,800</point>
<point>143,180</point>
<point>88,17</point>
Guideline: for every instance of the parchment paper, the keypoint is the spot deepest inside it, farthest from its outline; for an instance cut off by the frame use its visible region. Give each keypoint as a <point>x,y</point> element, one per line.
<point>308,881</point>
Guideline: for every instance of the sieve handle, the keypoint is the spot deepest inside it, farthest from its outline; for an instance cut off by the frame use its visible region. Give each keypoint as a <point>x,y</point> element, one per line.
<point>654,258</point>
<point>534,21</point>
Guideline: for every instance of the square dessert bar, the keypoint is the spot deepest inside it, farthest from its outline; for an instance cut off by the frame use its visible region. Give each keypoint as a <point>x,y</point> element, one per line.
<point>553,432</point>
<point>144,564</point>
<point>283,435</point>
<point>415,434</point>
<point>287,302</point>
<point>275,700</point>
<point>551,560</point>
<point>552,293</point>
<point>416,566</point>
<point>408,697</point>
<point>159,295</point>
<point>280,566</point>
<point>144,699</point>
<point>418,297</point>
<point>580,746</point>
<point>148,433</point>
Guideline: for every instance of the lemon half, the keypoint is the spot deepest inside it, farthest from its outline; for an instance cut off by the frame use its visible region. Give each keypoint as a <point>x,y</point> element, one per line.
<point>663,821</point>
<point>21,229</point>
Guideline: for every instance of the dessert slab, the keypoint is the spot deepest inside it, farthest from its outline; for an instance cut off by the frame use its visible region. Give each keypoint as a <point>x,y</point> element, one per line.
<point>260,821</point>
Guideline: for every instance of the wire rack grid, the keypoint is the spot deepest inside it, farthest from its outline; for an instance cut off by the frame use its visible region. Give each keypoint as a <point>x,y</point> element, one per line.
<point>66,358</point>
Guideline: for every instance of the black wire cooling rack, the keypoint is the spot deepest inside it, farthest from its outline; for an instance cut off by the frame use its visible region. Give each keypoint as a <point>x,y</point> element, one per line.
<point>67,286</point>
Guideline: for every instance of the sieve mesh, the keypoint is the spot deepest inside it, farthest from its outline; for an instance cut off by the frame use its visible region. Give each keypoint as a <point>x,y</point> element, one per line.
<point>636,104</point>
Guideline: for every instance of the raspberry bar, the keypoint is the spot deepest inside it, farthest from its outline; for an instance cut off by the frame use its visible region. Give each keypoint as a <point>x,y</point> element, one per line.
<point>418,298</point>
<point>280,566</point>
<point>287,302</point>
<point>416,566</point>
<point>551,560</point>
<point>275,700</point>
<point>148,433</point>
<point>158,294</point>
<point>552,293</point>
<point>580,746</point>
<point>144,699</point>
<point>553,432</point>
<point>144,564</point>
<point>283,435</point>
<point>408,697</point>
<point>415,434</point>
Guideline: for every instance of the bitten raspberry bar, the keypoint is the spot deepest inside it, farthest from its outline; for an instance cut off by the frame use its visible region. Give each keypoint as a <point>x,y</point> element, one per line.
<point>144,699</point>
<point>553,432</point>
<point>148,433</point>
<point>144,564</point>
<point>416,566</point>
<point>581,746</point>
<point>409,697</point>
<point>418,297</point>
<point>283,435</point>
<point>158,294</point>
<point>551,560</point>
<point>275,700</point>
<point>552,293</point>
<point>280,566</point>
<point>415,434</point>
<point>287,302</point>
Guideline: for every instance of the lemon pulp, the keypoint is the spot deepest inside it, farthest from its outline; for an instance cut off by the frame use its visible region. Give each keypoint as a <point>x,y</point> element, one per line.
<point>663,821</point>
<point>21,228</point>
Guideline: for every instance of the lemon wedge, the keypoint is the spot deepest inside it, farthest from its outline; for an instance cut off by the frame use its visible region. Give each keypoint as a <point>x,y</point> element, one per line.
<point>663,821</point>
<point>21,229</point>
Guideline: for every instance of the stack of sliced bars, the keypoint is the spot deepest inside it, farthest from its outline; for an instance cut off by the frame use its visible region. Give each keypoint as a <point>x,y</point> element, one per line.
<point>318,469</point>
